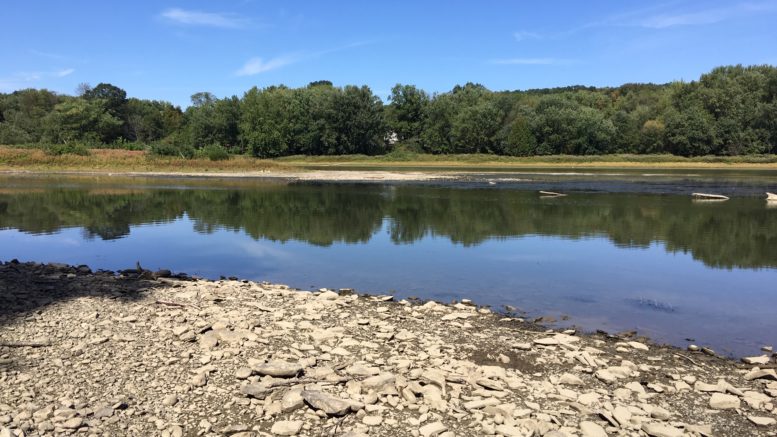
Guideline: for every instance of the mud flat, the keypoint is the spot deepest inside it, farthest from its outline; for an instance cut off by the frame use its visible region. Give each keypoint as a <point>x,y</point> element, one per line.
<point>142,353</point>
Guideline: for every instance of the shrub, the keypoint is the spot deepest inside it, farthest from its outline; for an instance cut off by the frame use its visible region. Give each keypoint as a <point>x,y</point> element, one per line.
<point>214,152</point>
<point>66,149</point>
<point>167,149</point>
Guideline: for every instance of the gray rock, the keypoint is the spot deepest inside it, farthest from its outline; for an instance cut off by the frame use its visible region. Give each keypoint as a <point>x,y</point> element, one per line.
<point>73,423</point>
<point>258,391</point>
<point>661,430</point>
<point>433,429</point>
<point>591,429</point>
<point>286,427</point>
<point>279,369</point>
<point>328,404</point>
<point>170,400</point>
<point>720,401</point>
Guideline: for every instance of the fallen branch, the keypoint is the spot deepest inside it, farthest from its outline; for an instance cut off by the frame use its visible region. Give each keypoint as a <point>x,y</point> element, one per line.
<point>25,344</point>
<point>689,359</point>
<point>172,304</point>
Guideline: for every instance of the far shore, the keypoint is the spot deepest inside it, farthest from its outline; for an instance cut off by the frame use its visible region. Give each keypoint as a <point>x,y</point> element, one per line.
<point>385,167</point>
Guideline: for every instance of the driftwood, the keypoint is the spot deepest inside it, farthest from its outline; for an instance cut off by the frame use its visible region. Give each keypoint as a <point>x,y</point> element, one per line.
<point>709,196</point>
<point>551,193</point>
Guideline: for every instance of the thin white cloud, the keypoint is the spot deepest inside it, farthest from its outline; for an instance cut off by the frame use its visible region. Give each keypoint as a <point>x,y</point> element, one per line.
<point>23,80</point>
<point>49,55</point>
<point>526,36</point>
<point>258,65</point>
<point>64,72</point>
<point>708,16</point>
<point>199,18</point>
<point>530,61</point>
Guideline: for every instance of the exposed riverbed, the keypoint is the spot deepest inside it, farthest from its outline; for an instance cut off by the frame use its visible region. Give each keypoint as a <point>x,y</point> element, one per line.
<point>141,353</point>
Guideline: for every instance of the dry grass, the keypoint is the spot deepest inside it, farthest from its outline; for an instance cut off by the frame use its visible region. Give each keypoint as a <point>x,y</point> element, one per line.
<point>110,160</point>
<point>117,160</point>
<point>764,162</point>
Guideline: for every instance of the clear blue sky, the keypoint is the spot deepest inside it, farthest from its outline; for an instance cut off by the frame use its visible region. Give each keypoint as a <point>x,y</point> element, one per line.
<point>166,50</point>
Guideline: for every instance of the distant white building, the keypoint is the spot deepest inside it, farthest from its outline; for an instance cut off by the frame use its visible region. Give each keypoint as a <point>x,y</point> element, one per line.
<point>392,138</point>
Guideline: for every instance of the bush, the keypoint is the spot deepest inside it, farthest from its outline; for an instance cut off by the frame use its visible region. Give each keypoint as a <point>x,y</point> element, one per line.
<point>166,149</point>
<point>66,149</point>
<point>123,144</point>
<point>214,152</point>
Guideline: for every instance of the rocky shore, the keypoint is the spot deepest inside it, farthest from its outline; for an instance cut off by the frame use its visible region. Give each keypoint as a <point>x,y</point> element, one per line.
<point>142,353</point>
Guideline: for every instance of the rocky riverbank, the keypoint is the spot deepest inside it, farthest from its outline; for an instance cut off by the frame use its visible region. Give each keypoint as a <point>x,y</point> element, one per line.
<point>142,353</point>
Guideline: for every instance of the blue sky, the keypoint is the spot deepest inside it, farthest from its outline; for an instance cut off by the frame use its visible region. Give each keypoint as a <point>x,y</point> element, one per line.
<point>168,51</point>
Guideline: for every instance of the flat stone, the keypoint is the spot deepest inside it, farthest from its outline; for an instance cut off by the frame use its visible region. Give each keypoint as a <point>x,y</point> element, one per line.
<point>432,429</point>
<point>258,391</point>
<point>330,405</point>
<point>328,295</point>
<point>286,427</point>
<point>509,431</point>
<point>591,429</point>
<point>372,420</point>
<point>621,415</point>
<point>570,379</point>
<point>243,373</point>
<point>638,345</point>
<point>103,412</point>
<point>279,369</point>
<point>379,381</point>
<point>720,401</point>
<point>761,359</point>
<point>292,400</point>
<point>761,374</point>
<point>73,423</point>
<point>654,429</point>
<point>481,403</point>
<point>762,421</point>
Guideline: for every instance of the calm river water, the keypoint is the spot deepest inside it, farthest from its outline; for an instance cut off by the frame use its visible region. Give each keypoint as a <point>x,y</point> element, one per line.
<point>623,251</point>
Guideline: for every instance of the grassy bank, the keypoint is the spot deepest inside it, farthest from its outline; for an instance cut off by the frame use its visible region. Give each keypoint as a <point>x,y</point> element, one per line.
<point>118,160</point>
<point>113,160</point>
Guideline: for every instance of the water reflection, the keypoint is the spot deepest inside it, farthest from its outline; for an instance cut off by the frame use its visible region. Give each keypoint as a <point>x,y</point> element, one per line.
<point>739,233</point>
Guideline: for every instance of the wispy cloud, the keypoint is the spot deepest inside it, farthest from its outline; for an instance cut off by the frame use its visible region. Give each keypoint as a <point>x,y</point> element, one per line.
<point>530,61</point>
<point>64,72</point>
<point>199,18</point>
<point>23,79</point>
<point>707,16</point>
<point>48,55</point>
<point>524,35</point>
<point>659,16</point>
<point>259,65</point>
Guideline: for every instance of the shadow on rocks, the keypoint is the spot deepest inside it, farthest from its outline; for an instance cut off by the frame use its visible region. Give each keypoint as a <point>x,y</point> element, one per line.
<point>26,289</point>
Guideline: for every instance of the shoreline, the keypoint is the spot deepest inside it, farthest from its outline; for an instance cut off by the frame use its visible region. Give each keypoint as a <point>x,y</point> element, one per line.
<point>154,354</point>
<point>360,174</point>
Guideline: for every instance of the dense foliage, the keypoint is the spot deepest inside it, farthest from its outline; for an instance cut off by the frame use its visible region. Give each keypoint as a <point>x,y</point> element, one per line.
<point>729,111</point>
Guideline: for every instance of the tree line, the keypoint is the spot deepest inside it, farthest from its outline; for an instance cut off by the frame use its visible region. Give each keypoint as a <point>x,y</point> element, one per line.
<point>731,110</point>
